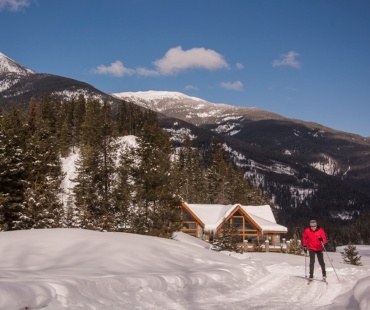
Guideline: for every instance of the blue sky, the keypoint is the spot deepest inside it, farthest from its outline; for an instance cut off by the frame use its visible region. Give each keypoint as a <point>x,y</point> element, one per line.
<point>307,59</point>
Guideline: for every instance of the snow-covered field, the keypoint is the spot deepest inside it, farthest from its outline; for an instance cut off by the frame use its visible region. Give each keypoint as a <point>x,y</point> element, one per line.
<point>79,269</point>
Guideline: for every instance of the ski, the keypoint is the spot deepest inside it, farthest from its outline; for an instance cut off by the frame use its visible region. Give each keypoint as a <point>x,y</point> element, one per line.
<point>309,281</point>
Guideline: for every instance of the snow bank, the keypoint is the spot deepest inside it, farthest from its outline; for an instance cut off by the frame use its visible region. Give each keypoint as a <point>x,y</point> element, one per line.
<point>79,269</point>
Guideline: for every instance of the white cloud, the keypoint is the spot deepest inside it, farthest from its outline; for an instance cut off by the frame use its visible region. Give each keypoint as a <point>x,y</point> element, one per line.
<point>288,60</point>
<point>191,87</point>
<point>232,86</point>
<point>146,72</point>
<point>176,60</point>
<point>14,5</point>
<point>116,69</point>
<point>239,66</point>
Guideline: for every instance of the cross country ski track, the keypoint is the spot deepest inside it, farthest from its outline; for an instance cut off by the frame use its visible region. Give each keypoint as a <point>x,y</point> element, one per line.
<point>283,288</point>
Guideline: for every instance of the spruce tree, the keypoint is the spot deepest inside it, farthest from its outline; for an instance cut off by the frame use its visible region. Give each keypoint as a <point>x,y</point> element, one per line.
<point>44,169</point>
<point>226,239</point>
<point>216,176</point>
<point>76,117</point>
<point>123,190</point>
<point>96,167</point>
<point>88,182</point>
<point>351,255</point>
<point>109,150</point>
<point>244,192</point>
<point>295,247</point>
<point>155,198</point>
<point>191,180</point>
<point>129,118</point>
<point>64,127</point>
<point>13,172</point>
<point>226,184</point>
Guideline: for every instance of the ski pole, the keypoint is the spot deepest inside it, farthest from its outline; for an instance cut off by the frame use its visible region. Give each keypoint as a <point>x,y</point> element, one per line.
<point>305,259</point>
<point>330,260</point>
<point>305,265</point>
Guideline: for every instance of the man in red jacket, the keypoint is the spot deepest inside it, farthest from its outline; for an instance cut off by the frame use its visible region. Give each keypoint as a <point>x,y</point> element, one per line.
<point>313,239</point>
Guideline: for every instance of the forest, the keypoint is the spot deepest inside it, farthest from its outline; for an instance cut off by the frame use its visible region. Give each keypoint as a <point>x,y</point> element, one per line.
<point>117,188</point>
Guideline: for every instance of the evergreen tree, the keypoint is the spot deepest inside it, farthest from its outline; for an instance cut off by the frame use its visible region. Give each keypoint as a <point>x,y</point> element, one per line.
<point>295,246</point>
<point>155,201</point>
<point>191,180</point>
<point>96,167</point>
<point>226,239</point>
<point>351,255</point>
<point>227,185</point>
<point>13,173</point>
<point>129,118</point>
<point>76,111</point>
<point>108,172</point>
<point>218,177</point>
<point>65,138</point>
<point>64,127</point>
<point>244,192</point>
<point>124,189</point>
<point>44,170</point>
<point>32,114</point>
<point>88,181</point>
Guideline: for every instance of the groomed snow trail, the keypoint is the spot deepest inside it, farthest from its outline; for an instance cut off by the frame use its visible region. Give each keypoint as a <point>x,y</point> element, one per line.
<point>285,287</point>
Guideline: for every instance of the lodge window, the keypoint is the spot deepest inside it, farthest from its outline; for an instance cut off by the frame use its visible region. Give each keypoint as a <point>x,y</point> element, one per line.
<point>246,231</point>
<point>189,225</point>
<point>241,224</point>
<point>187,217</point>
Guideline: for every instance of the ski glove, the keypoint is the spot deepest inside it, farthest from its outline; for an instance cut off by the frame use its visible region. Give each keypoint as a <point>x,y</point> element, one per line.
<point>320,238</point>
<point>305,249</point>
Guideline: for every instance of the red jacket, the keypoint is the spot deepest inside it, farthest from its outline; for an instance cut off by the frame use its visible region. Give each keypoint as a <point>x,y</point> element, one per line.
<point>311,240</point>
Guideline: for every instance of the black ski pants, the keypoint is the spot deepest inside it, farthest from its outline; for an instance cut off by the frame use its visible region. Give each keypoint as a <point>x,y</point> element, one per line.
<point>320,258</point>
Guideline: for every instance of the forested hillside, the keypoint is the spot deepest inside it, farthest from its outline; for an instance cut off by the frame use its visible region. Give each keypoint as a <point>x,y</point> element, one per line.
<point>117,188</point>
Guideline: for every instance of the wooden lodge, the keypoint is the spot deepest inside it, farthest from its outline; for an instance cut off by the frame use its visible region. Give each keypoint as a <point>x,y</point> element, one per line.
<point>255,225</point>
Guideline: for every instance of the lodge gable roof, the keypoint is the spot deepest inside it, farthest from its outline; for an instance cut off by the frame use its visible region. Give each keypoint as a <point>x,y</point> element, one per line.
<point>212,216</point>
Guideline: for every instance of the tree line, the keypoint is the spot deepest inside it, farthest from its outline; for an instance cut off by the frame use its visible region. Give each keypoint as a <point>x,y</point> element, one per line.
<point>117,188</point>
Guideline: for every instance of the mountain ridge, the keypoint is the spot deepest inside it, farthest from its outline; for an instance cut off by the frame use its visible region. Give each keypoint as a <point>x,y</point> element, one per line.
<point>306,168</point>
<point>200,111</point>
<point>154,100</point>
<point>19,83</point>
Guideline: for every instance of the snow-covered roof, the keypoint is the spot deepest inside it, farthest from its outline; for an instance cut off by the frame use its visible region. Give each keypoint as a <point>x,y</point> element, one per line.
<point>263,211</point>
<point>212,215</point>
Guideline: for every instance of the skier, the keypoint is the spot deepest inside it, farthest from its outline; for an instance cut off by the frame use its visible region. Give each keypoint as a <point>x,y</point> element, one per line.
<point>314,238</point>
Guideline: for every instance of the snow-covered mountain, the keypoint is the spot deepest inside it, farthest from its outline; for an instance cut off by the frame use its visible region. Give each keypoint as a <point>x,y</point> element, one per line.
<point>11,72</point>
<point>237,121</point>
<point>192,109</point>
<point>8,65</point>
<point>19,83</point>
